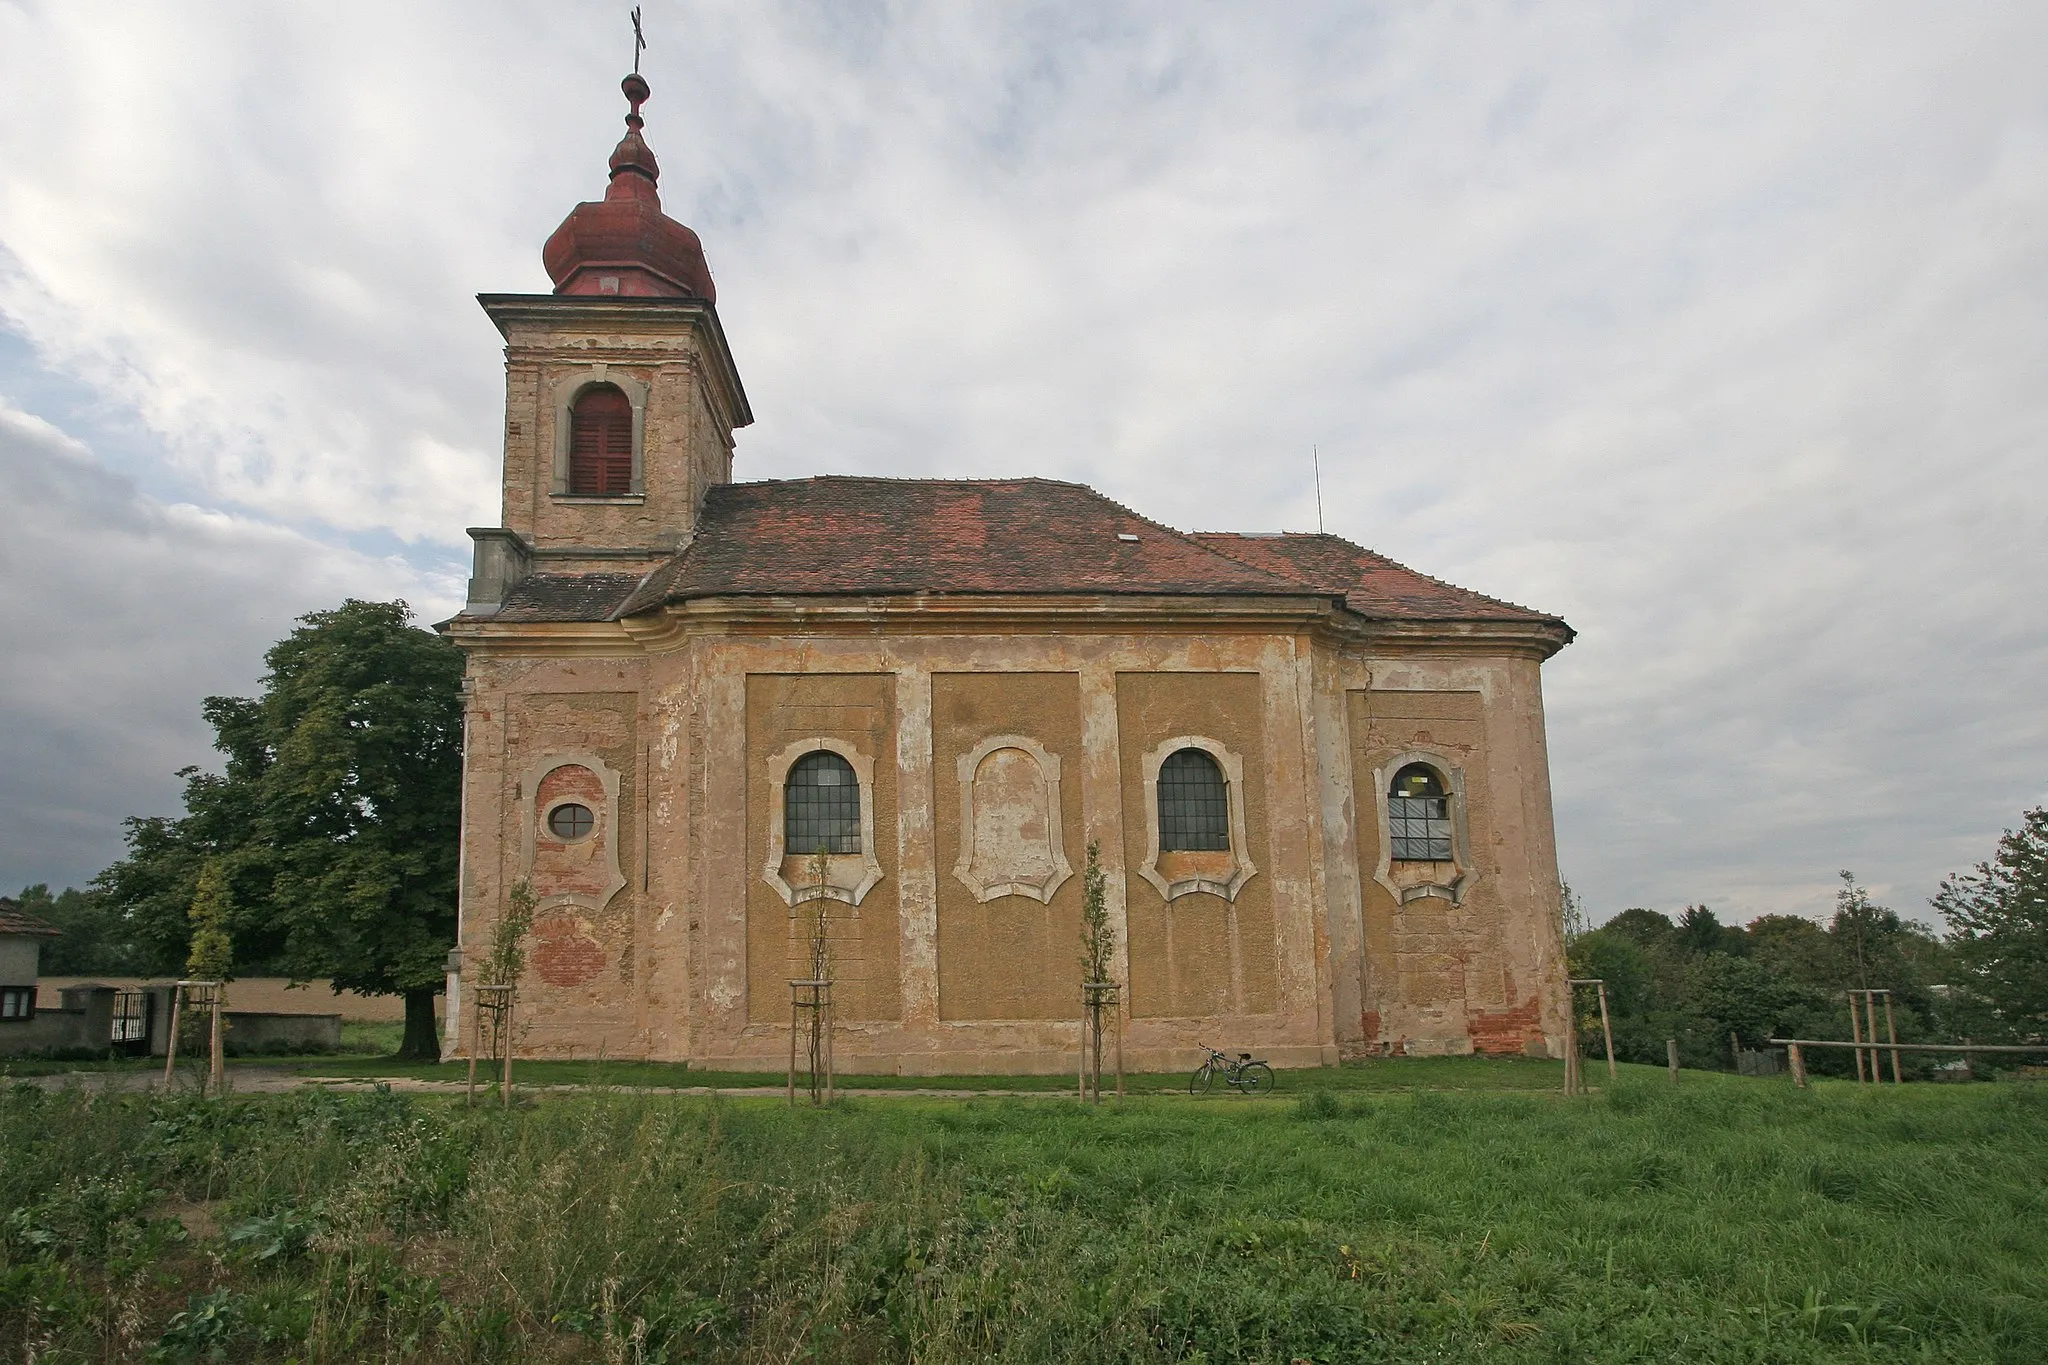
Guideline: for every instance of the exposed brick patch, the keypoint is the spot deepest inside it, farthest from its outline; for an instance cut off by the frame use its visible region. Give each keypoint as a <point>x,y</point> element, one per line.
<point>1369,1026</point>
<point>564,953</point>
<point>1506,1031</point>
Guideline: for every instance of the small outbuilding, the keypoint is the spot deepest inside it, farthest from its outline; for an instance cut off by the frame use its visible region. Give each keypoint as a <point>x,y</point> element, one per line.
<point>21,951</point>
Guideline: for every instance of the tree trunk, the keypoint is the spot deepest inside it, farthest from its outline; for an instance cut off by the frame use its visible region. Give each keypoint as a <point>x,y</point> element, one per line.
<point>422,1040</point>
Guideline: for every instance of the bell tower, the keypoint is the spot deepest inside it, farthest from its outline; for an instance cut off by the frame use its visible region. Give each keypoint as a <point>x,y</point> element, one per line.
<point>621,396</point>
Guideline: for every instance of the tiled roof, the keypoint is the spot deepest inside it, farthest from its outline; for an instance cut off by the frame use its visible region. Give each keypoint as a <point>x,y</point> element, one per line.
<point>15,920</point>
<point>1370,584</point>
<point>567,596</point>
<point>885,537</point>
<point>846,536</point>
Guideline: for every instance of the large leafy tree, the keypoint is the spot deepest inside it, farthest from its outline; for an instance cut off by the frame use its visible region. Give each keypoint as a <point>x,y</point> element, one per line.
<point>333,830</point>
<point>92,939</point>
<point>1998,920</point>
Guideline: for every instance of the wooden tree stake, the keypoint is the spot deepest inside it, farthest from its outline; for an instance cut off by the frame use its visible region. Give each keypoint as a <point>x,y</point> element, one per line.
<point>505,1077</point>
<point>1892,1029</point>
<point>1671,1057</point>
<point>216,1062</point>
<point>1607,1030</point>
<point>177,1011</point>
<point>1571,1041</point>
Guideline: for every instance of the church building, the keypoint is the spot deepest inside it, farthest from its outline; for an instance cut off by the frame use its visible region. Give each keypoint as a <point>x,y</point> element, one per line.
<point>702,710</point>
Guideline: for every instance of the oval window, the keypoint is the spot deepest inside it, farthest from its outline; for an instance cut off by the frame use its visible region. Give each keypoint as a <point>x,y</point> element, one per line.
<point>571,820</point>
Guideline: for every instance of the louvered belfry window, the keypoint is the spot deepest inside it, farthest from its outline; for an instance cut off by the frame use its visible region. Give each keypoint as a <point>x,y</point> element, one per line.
<point>1194,804</point>
<point>601,443</point>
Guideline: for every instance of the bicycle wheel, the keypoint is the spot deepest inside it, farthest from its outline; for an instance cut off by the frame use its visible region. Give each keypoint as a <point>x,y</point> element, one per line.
<point>1199,1085</point>
<point>1255,1079</point>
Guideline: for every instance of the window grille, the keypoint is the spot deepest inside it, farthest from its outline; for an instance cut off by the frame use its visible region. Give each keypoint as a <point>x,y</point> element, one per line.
<point>1194,804</point>
<point>1419,816</point>
<point>821,806</point>
<point>601,443</point>
<point>571,821</point>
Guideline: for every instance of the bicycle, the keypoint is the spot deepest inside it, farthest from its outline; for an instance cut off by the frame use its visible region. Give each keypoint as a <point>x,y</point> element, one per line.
<point>1247,1075</point>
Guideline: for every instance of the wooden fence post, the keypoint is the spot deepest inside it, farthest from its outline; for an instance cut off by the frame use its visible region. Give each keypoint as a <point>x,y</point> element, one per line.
<point>1798,1066</point>
<point>1671,1057</point>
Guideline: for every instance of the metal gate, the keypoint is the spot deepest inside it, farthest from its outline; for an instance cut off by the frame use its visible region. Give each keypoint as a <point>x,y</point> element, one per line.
<point>131,1023</point>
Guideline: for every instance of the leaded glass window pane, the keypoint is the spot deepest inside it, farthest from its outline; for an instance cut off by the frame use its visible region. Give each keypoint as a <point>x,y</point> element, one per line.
<point>821,806</point>
<point>1194,804</point>
<point>1419,816</point>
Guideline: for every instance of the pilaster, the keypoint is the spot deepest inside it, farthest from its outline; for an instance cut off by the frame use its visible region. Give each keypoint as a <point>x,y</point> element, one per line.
<point>1102,806</point>
<point>916,851</point>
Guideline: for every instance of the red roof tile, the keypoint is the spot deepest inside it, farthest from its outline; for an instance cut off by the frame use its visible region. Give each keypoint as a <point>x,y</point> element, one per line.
<point>842,536</point>
<point>15,920</point>
<point>1370,584</point>
<point>882,537</point>
<point>568,596</point>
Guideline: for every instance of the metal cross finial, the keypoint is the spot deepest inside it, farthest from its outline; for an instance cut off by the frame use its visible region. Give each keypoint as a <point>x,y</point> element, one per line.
<point>639,40</point>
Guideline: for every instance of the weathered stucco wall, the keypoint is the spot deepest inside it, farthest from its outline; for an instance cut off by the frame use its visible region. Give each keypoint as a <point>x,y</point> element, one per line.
<point>1200,955</point>
<point>666,367</point>
<point>1471,970</point>
<point>786,715</point>
<point>1013,956</point>
<point>689,957</point>
<point>19,954</point>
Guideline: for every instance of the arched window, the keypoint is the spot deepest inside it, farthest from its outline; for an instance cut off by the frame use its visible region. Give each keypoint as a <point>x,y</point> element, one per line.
<point>1194,804</point>
<point>601,443</point>
<point>821,806</point>
<point>1419,816</point>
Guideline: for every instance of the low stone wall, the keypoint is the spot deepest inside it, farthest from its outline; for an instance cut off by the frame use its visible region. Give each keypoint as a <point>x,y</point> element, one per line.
<point>83,1022</point>
<point>268,994</point>
<point>250,1032</point>
<point>51,1030</point>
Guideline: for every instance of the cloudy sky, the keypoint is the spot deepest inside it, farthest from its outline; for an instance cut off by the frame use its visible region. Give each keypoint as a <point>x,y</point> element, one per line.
<point>1720,330</point>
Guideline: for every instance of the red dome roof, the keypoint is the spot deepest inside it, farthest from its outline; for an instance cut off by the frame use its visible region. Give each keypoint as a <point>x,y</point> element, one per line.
<point>624,244</point>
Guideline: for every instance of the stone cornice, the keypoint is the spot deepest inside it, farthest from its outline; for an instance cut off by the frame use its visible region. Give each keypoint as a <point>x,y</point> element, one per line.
<point>960,614</point>
<point>490,636</point>
<point>1535,639</point>
<point>564,312</point>
<point>675,626</point>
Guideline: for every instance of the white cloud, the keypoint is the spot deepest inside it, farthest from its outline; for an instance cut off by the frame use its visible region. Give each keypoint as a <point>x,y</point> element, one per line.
<point>1718,331</point>
<point>120,614</point>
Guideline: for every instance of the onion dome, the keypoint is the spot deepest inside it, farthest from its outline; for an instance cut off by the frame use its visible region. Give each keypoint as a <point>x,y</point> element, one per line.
<point>624,244</point>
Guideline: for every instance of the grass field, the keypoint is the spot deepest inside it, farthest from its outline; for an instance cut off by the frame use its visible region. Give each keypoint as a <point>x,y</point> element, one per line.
<point>359,1063</point>
<point>1725,1220</point>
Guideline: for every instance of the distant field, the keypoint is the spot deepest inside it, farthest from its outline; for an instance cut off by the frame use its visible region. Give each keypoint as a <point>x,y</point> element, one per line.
<point>1724,1220</point>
